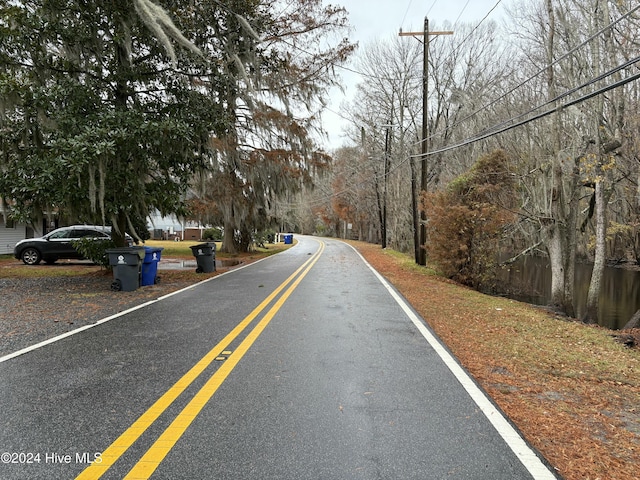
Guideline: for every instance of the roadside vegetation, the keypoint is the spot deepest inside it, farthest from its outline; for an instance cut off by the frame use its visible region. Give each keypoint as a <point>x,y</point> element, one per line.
<point>572,390</point>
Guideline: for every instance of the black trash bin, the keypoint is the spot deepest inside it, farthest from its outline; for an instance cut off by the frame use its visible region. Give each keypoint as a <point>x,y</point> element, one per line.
<point>205,254</point>
<point>126,264</point>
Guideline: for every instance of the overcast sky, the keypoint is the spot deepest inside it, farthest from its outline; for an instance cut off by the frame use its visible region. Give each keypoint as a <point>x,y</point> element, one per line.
<point>382,19</point>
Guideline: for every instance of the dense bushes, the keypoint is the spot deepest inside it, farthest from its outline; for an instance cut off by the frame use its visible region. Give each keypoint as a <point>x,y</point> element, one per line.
<point>466,222</point>
<point>94,250</point>
<point>214,234</point>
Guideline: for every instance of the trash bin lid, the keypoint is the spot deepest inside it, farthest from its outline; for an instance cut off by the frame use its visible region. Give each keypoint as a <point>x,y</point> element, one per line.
<point>153,254</point>
<point>125,256</point>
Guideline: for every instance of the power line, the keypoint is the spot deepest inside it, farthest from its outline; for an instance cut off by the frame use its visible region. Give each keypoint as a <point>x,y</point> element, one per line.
<point>540,71</point>
<point>461,12</point>
<point>505,128</point>
<point>406,12</point>
<point>567,93</point>
<point>431,7</point>
<point>478,25</point>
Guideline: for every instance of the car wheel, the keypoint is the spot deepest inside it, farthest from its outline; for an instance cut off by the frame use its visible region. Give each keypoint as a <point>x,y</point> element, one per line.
<point>31,256</point>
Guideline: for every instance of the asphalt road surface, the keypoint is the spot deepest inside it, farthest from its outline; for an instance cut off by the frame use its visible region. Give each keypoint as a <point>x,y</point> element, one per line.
<point>305,365</point>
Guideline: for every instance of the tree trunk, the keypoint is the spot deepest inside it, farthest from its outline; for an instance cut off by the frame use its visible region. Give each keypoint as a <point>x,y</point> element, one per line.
<point>562,227</point>
<point>228,242</point>
<point>595,285</point>
<point>634,322</point>
<point>118,229</point>
<point>556,250</point>
<point>570,260</point>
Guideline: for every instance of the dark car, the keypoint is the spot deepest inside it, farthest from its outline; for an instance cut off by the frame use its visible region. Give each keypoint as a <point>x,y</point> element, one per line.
<point>58,243</point>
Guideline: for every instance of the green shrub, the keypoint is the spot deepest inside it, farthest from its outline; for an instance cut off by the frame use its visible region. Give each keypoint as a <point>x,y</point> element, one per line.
<point>214,234</point>
<point>264,236</point>
<point>94,250</point>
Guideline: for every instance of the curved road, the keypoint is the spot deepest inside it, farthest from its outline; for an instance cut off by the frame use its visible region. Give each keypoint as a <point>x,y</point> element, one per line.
<point>305,365</point>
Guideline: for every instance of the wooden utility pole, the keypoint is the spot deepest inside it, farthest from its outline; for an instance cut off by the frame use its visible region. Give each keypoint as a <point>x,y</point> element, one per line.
<point>387,161</point>
<point>421,252</point>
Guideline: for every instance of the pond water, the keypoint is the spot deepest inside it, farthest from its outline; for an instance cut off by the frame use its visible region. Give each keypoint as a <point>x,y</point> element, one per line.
<point>530,278</point>
<point>177,264</point>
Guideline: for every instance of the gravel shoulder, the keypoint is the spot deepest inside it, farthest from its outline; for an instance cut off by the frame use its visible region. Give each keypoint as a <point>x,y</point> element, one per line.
<point>36,309</point>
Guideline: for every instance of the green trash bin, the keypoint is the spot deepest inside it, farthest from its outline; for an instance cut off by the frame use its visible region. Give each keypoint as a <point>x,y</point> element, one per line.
<point>205,254</point>
<point>126,264</point>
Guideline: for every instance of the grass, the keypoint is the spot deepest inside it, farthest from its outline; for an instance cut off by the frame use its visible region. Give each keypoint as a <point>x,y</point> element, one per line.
<point>177,249</point>
<point>12,268</point>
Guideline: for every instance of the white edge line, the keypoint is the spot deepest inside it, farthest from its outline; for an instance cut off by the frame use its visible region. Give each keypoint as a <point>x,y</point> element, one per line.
<point>72,332</point>
<point>513,439</point>
<point>120,314</point>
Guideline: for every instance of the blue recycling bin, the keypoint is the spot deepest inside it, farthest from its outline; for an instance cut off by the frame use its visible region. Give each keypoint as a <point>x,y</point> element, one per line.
<point>149,271</point>
<point>288,239</point>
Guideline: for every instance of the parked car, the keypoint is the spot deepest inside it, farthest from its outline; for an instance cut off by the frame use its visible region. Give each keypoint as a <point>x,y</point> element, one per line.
<point>58,243</point>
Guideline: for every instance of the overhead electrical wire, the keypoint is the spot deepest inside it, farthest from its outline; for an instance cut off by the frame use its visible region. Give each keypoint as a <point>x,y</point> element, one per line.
<point>539,72</point>
<point>522,83</point>
<point>545,113</point>
<point>478,24</point>
<point>461,12</point>
<point>431,7</point>
<point>406,12</point>
<point>513,122</point>
<point>564,95</point>
<point>505,127</point>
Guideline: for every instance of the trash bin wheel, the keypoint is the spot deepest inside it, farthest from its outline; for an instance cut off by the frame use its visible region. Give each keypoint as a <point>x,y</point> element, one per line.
<point>156,280</point>
<point>198,270</point>
<point>116,285</point>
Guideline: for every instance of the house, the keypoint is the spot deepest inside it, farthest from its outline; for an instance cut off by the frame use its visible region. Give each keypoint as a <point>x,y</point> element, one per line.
<point>165,228</point>
<point>11,233</point>
<point>172,228</point>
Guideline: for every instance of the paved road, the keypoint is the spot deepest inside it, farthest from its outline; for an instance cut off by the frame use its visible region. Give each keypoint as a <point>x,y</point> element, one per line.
<point>302,366</point>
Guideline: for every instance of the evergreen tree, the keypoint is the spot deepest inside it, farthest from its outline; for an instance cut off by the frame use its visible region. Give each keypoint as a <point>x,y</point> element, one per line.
<point>97,125</point>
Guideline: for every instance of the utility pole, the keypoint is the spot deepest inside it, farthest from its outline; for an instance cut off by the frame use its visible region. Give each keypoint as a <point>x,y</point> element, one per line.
<point>421,253</point>
<point>387,162</point>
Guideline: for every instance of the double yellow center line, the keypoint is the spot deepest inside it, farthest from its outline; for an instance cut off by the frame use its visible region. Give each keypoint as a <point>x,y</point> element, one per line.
<point>150,461</point>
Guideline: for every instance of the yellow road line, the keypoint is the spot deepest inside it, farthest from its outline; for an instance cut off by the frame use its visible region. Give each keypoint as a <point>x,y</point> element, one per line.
<point>158,451</point>
<point>114,451</point>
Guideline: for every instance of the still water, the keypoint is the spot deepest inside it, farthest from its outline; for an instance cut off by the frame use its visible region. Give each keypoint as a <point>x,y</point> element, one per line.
<point>619,299</point>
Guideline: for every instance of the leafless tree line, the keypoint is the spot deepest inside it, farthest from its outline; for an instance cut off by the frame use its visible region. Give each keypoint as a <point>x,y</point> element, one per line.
<point>555,86</point>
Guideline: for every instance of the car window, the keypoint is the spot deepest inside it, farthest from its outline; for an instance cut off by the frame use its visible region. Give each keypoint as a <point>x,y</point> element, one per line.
<point>61,234</point>
<point>90,233</point>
